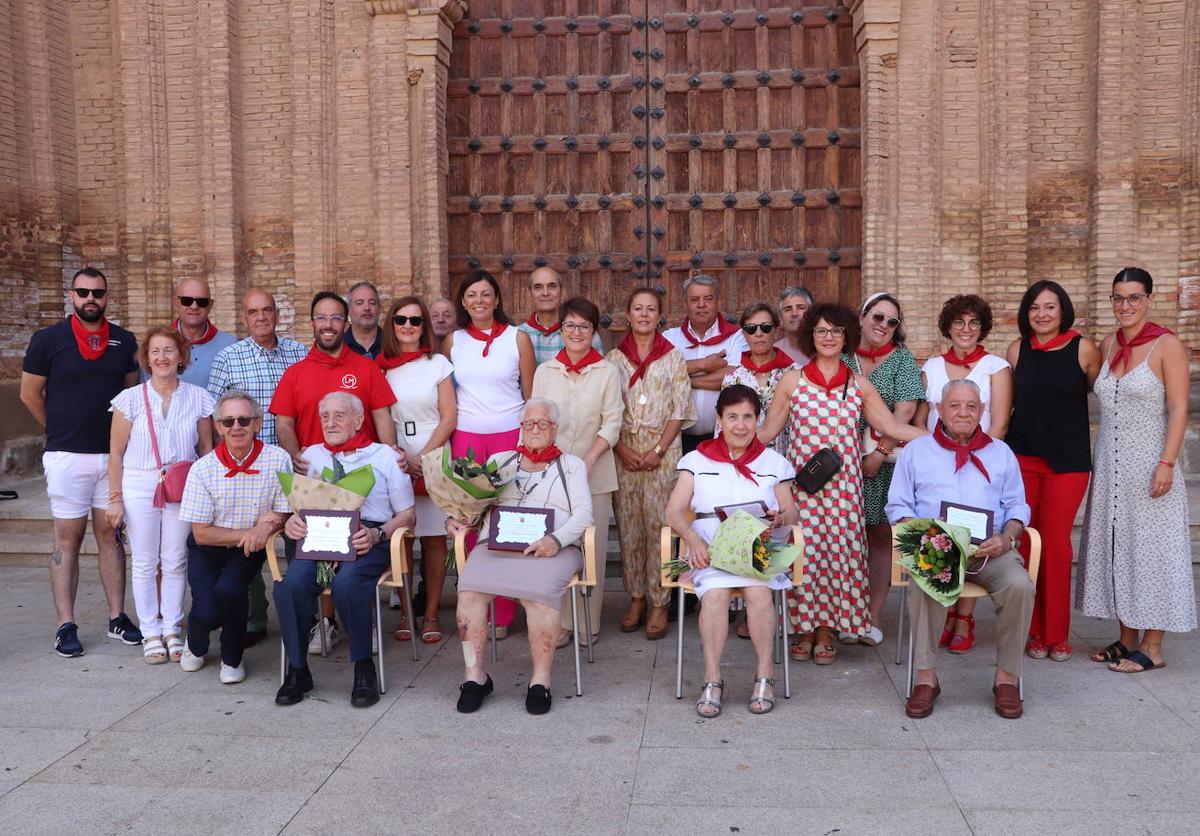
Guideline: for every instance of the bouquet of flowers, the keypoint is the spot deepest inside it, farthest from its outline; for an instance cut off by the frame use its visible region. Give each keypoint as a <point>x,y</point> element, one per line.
<point>334,491</point>
<point>935,554</point>
<point>461,487</point>
<point>743,546</point>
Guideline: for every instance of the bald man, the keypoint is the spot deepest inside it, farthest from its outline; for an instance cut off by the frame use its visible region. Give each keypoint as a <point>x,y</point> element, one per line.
<point>193,304</point>
<point>544,326</point>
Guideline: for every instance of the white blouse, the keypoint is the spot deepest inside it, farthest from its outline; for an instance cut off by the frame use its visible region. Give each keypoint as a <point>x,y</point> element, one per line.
<point>718,483</point>
<point>981,375</point>
<point>177,434</point>
<point>415,411</point>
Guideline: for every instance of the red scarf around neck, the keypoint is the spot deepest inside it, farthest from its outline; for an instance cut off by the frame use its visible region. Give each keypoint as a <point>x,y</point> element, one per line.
<point>385,362</point>
<point>659,348</point>
<point>840,378</point>
<point>355,442</point>
<point>322,359</point>
<point>226,458</point>
<point>532,322</point>
<point>91,344</point>
<point>546,454</point>
<point>1053,342</point>
<point>486,337</point>
<point>876,353</point>
<point>968,361</point>
<point>210,331</point>
<point>964,452</point>
<point>779,361</point>
<point>717,450</point>
<point>593,356</point>
<point>724,331</point>
<point>1150,332</point>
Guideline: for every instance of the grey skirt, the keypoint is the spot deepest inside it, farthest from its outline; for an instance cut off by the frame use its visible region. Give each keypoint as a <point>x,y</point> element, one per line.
<point>542,580</point>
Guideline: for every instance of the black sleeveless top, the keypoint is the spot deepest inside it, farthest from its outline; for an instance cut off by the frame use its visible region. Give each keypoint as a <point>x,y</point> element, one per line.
<point>1050,408</point>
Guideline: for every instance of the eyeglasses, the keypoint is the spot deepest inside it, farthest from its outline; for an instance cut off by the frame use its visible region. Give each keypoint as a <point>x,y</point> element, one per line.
<point>891,321</point>
<point>325,319</point>
<point>969,324</point>
<point>582,327</point>
<point>198,301</point>
<point>1134,299</point>
<point>829,332</point>
<point>765,327</point>
<point>541,425</point>
<point>241,421</point>
<point>417,321</point>
<point>96,292</point>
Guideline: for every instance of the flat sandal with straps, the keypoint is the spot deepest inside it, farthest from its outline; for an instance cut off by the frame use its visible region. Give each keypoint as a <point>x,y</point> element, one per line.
<point>763,693</point>
<point>709,699</point>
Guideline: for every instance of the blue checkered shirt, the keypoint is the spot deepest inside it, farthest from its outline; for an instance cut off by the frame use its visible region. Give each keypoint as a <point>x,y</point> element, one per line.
<point>237,501</point>
<point>547,346</point>
<point>255,370</point>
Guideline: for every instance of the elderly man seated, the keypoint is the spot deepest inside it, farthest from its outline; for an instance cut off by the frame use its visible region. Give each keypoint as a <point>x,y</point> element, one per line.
<point>234,502</point>
<point>388,506</point>
<point>960,463</point>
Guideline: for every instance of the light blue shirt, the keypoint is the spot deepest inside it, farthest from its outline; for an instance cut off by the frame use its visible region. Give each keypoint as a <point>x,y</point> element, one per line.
<point>925,477</point>
<point>202,359</point>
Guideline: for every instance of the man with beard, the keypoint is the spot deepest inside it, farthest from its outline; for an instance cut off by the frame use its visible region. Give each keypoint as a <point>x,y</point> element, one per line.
<point>72,370</point>
<point>365,337</point>
<point>193,304</point>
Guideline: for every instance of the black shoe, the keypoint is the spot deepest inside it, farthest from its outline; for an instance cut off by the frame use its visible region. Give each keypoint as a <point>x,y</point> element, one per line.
<point>419,598</point>
<point>471,695</point>
<point>66,640</point>
<point>122,628</point>
<point>366,685</point>
<point>296,684</point>
<point>253,637</point>
<point>537,699</point>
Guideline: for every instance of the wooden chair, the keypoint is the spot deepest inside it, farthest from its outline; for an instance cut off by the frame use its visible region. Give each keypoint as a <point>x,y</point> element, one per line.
<point>393,578</point>
<point>970,590</point>
<point>581,584</point>
<point>668,543</point>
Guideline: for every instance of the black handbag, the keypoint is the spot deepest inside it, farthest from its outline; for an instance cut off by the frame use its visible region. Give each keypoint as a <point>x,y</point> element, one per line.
<point>823,466</point>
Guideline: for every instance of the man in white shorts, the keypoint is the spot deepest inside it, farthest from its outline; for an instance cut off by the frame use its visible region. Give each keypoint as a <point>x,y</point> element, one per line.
<point>70,373</point>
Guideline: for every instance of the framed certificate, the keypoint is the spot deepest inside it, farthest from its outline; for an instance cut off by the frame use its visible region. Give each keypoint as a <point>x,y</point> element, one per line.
<point>756,509</point>
<point>979,521</point>
<point>512,528</point>
<point>329,534</point>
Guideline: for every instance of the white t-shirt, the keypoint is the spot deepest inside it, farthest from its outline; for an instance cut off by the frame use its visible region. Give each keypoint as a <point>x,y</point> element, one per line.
<point>488,388</point>
<point>980,374</point>
<point>706,400</point>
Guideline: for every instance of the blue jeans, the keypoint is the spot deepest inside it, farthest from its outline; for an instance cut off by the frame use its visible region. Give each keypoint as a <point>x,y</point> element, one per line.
<point>218,576</point>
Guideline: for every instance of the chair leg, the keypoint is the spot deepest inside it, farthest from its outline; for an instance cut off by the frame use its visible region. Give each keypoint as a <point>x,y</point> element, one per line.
<point>282,661</point>
<point>679,649</point>
<point>321,627</point>
<point>777,639</point>
<point>908,680</point>
<point>1021,687</point>
<point>379,640</point>
<point>787,641</point>
<point>492,628</point>
<point>575,642</point>
<point>412,621</point>
<point>587,619</point>
<point>900,621</point>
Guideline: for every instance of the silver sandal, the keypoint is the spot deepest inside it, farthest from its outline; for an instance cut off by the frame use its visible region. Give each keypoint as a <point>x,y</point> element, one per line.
<point>710,699</point>
<point>759,695</point>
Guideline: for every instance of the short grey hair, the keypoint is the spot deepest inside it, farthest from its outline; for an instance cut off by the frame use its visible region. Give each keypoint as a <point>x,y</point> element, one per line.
<point>796,290</point>
<point>962,381</point>
<point>357,285</point>
<point>701,279</point>
<point>550,407</point>
<point>237,395</point>
<point>356,406</point>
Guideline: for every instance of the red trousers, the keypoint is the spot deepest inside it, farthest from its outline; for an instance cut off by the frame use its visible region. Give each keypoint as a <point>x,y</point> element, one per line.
<point>1054,499</point>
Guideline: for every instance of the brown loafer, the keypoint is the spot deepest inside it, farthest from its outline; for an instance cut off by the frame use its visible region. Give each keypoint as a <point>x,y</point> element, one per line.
<point>1008,701</point>
<point>920,704</point>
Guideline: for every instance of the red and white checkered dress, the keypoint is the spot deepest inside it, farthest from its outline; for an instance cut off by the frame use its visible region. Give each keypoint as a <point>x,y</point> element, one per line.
<point>835,593</point>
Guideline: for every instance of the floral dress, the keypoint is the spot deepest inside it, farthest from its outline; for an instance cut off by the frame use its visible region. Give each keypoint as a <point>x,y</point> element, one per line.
<point>835,591</point>
<point>766,391</point>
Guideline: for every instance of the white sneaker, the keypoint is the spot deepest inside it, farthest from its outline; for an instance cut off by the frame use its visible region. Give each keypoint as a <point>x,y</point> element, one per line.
<point>231,675</point>
<point>873,637</point>
<point>331,637</point>
<point>394,599</point>
<point>189,661</point>
<point>848,638</point>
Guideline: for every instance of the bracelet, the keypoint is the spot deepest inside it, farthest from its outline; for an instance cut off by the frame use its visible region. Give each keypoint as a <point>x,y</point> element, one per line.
<point>1167,463</point>
<point>883,451</point>
<point>658,450</point>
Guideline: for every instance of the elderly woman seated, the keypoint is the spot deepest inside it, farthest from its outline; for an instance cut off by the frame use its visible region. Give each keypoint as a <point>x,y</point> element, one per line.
<point>545,478</point>
<point>732,469</point>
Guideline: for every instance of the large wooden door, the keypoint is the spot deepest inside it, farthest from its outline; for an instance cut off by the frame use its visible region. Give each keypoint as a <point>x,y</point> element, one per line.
<point>625,142</point>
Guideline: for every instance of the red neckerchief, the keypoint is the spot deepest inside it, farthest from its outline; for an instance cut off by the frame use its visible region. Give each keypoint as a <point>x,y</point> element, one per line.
<point>964,452</point>
<point>840,378</point>
<point>210,331</point>
<point>724,331</point>
<point>546,454</point>
<point>717,450</point>
<point>533,323</point>
<point>593,356</point>
<point>384,362</point>
<point>659,348</point>
<point>779,361</point>
<point>1053,342</point>
<point>354,442</point>
<point>968,361</point>
<point>1150,332</point>
<point>91,344</point>
<point>876,353</point>
<point>487,336</point>
<point>322,359</point>
<point>226,458</point>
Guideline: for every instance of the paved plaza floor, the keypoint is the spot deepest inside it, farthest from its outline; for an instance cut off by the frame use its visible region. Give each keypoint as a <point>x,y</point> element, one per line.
<point>107,744</point>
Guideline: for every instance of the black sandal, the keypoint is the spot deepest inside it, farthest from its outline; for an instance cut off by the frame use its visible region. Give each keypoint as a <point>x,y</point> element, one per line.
<point>1115,652</point>
<point>1138,658</point>
<point>537,699</point>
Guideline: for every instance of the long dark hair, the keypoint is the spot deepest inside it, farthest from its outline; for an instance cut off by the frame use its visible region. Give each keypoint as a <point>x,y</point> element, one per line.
<point>1035,290</point>
<point>391,344</point>
<point>460,310</point>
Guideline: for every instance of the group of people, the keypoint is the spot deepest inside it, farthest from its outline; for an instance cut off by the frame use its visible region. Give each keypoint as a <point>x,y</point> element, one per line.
<point>668,427</point>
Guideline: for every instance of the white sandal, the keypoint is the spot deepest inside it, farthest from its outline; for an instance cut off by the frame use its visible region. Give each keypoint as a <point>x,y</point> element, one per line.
<point>759,694</point>
<point>710,698</point>
<point>174,647</point>
<point>153,651</point>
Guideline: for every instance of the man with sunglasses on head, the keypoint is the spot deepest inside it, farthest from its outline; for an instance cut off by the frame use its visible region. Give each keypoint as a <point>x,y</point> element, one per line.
<point>193,304</point>
<point>71,372</point>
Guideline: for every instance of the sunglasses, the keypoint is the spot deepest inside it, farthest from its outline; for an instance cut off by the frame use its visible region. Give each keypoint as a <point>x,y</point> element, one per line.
<point>417,321</point>
<point>95,292</point>
<point>241,421</point>
<point>892,322</point>
<point>198,301</point>
<point>765,327</point>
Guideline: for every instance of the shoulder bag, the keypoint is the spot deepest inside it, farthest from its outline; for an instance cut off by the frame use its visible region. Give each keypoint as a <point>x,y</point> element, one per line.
<point>815,473</point>
<point>172,478</point>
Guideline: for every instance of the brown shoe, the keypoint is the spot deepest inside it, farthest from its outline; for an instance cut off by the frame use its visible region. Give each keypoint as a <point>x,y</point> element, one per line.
<point>656,623</point>
<point>1008,701</point>
<point>920,704</point>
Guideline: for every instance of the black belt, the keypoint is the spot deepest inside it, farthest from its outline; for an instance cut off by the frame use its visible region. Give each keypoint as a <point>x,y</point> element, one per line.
<point>708,515</point>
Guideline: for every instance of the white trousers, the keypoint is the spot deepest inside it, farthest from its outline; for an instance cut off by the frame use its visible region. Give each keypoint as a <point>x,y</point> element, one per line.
<point>157,539</point>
